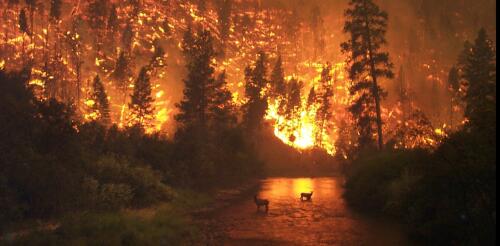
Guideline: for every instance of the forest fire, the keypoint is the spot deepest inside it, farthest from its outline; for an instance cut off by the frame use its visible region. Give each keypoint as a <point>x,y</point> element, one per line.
<point>155,30</point>
<point>174,122</point>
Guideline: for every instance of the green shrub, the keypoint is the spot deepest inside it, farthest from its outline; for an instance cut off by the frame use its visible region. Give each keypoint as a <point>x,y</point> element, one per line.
<point>118,183</point>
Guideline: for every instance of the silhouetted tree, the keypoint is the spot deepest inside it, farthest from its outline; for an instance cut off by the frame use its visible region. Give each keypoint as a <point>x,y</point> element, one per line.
<point>366,25</point>
<point>198,52</point>
<point>97,13</point>
<point>324,101</point>
<point>141,105</point>
<point>222,109</point>
<point>122,72</point>
<point>23,26</point>
<point>101,103</point>
<point>480,75</point>
<point>278,91</point>
<point>224,10</point>
<point>311,97</point>
<point>255,108</point>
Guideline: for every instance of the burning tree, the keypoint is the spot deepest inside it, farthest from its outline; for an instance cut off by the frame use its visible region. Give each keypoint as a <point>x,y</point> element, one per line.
<point>366,24</point>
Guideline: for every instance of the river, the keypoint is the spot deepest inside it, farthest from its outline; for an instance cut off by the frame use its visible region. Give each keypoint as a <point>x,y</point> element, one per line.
<point>325,220</point>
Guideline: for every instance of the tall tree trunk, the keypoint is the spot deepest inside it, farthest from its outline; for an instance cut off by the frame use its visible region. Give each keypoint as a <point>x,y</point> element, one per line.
<point>376,92</point>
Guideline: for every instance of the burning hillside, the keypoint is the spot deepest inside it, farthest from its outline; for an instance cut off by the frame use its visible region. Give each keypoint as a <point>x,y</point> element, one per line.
<point>66,46</point>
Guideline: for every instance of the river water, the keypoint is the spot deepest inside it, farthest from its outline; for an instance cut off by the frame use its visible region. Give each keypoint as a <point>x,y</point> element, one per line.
<point>325,220</point>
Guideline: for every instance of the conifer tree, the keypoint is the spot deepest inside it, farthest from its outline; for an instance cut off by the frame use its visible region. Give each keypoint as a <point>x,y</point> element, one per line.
<point>97,13</point>
<point>366,26</point>
<point>113,23</point>
<point>122,72</point>
<point>293,100</point>
<point>23,26</point>
<point>224,9</point>
<point>256,106</point>
<point>221,107</point>
<point>479,73</point>
<point>101,103</point>
<point>198,52</point>
<point>324,96</point>
<point>278,88</point>
<point>141,105</point>
<point>311,98</point>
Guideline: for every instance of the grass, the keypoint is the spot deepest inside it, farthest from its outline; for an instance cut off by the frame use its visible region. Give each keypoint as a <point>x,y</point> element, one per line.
<point>166,224</point>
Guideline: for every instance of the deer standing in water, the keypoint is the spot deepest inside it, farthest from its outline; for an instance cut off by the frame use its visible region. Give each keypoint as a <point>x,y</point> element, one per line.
<point>261,203</point>
<point>307,196</point>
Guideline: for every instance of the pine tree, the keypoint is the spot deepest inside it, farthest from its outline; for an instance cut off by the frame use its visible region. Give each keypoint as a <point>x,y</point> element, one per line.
<point>256,106</point>
<point>101,103</point>
<point>221,107</point>
<point>122,72</point>
<point>113,23</point>
<point>23,22</point>
<point>278,88</point>
<point>293,100</point>
<point>198,52</point>
<point>141,105</point>
<point>97,13</point>
<point>366,24</point>
<point>311,98</point>
<point>32,7</point>
<point>224,9</point>
<point>294,104</point>
<point>23,26</point>
<point>324,96</point>
<point>480,76</point>
<point>75,43</point>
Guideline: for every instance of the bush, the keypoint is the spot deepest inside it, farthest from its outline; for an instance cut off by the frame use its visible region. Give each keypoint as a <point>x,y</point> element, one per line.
<point>447,197</point>
<point>117,184</point>
<point>377,181</point>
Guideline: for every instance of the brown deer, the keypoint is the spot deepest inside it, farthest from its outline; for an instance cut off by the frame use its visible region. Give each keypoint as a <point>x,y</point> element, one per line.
<point>307,196</point>
<point>261,203</point>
